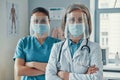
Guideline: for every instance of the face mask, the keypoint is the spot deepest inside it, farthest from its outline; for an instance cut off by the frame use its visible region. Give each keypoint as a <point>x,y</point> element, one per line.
<point>75,29</point>
<point>41,28</point>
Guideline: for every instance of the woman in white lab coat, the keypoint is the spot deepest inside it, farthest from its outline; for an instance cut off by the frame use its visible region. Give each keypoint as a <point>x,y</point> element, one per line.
<point>75,58</point>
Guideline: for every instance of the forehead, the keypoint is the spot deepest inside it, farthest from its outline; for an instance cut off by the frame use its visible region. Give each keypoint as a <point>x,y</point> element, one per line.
<point>39,18</point>
<point>39,14</point>
<point>75,13</point>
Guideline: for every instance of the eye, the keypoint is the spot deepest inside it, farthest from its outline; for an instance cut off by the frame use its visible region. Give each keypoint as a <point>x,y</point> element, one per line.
<point>71,20</point>
<point>80,20</point>
<point>43,21</point>
<point>36,21</point>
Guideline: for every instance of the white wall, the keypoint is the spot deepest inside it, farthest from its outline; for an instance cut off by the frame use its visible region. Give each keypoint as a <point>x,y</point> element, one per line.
<point>8,44</point>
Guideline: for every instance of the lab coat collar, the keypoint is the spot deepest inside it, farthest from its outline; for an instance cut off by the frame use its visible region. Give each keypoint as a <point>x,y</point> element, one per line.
<point>78,51</point>
<point>67,50</point>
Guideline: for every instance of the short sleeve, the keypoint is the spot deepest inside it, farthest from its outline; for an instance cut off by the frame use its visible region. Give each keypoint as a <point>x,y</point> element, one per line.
<point>19,51</point>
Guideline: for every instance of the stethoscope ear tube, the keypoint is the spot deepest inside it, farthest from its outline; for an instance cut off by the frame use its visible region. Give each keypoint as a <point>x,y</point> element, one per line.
<point>60,51</point>
<point>59,55</point>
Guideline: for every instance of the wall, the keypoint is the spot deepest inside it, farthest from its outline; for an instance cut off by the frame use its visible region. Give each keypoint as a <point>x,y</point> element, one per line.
<point>8,44</point>
<point>54,3</point>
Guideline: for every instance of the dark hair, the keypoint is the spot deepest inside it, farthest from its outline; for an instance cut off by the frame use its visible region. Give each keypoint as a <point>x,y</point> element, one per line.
<point>41,9</point>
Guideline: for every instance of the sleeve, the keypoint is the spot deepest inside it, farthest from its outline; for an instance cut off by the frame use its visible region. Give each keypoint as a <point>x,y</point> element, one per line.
<point>96,59</point>
<point>19,53</point>
<point>51,69</point>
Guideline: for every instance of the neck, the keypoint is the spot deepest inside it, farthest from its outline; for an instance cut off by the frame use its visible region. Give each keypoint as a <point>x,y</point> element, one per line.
<point>76,39</point>
<point>41,39</point>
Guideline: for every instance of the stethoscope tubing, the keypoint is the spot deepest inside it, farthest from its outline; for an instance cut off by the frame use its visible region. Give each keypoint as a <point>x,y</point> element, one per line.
<point>82,48</point>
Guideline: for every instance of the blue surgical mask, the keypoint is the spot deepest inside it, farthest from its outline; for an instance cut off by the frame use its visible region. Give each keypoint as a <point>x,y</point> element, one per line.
<point>75,29</point>
<point>41,28</point>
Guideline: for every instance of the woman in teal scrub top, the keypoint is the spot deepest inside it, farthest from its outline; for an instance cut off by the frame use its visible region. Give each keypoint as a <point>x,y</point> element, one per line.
<point>32,52</point>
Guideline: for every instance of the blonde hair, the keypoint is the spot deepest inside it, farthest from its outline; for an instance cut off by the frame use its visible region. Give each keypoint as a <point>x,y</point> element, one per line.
<point>77,7</point>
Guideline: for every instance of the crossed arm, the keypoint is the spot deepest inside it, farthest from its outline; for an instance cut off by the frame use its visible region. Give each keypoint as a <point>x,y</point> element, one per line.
<point>65,75</point>
<point>29,69</point>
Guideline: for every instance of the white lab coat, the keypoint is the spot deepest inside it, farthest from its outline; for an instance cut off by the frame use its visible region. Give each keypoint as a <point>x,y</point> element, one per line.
<point>77,65</point>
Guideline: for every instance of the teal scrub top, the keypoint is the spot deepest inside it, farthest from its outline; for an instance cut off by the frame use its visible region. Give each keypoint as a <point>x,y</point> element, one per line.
<point>74,46</point>
<point>29,49</point>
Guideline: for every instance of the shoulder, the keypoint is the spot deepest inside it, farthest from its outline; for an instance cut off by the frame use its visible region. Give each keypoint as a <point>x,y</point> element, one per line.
<point>93,44</point>
<point>95,47</point>
<point>56,48</point>
<point>58,44</point>
<point>25,39</point>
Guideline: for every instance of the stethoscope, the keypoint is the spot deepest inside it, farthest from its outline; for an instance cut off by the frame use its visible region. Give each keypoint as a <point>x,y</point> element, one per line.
<point>86,46</point>
<point>82,48</point>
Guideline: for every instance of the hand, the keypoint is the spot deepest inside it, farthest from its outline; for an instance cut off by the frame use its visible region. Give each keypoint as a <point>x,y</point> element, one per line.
<point>63,75</point>
<point>92,69</point>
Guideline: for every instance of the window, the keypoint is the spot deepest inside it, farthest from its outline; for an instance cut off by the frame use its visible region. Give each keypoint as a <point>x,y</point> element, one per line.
<point>109,3</point>
<point>108,26</point>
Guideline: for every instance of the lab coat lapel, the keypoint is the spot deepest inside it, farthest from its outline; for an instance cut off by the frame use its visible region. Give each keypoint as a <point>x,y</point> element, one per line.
<point>66,50</point>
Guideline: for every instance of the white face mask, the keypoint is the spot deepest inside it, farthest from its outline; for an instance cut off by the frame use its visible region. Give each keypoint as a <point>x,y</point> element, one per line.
<point>41,28</point>
<point>75,29</point>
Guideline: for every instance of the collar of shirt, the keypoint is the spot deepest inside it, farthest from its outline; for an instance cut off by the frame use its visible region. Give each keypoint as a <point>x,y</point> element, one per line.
<point>70,42</point>
<point>73,46</point>
<point>44,43</point>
